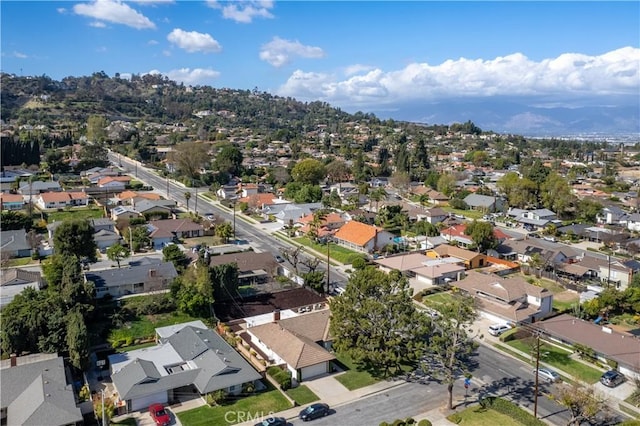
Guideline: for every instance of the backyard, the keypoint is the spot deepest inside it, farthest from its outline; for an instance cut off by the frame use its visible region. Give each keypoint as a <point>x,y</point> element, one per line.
<point>437,300</point>
<point>93,212</point>
<point>256,407</point>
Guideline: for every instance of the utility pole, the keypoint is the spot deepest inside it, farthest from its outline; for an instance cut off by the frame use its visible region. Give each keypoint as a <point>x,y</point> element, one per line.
<point>167,186</point>
<point>196,201</point>
<point>535,397</point>
<point>328,265</point>
<point>131,240</point>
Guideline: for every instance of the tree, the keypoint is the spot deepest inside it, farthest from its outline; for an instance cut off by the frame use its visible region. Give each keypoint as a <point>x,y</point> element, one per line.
<point>139,237</point>
<point>117,252</point>
<point>319,217</point>
<point>376,322</point>
<point>228,160</point>
<point>187,197</point>
<point>378,194</point>
<point>585,404</point>
<point>293,256</point>
<point>172,253</point>
<point>189,157</point>
<point>556,194</point>
<point>77,340</point>
<point>451,345</point>
<point>75,237</point>
<point>12,220</point>
<point>225,231</point>
<point>446,184</point>
<point>225,281</point>
<point>93,155</point>
<point>97,129</point>
<point>314,280</point>
<point>193,291</point>
<point>338,171</point>
<point>482,235</point>
<point>309,170</point>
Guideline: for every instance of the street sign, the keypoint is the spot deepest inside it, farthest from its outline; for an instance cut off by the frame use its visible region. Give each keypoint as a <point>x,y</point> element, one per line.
<point>467,383</point>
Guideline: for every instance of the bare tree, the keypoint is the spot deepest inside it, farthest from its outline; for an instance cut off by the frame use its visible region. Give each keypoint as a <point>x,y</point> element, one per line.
<point>584,403</point>
<point>293,256</point>
<point>310,262</point>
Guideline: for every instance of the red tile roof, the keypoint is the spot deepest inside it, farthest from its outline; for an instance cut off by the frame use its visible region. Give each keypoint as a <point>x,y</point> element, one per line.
<point>357,233</point>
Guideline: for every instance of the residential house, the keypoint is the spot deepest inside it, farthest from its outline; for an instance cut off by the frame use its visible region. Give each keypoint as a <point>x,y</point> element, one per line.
<point>286,213</point>
<point>534,219</point>
<point>258,201</point>
<point>456,234</point>
<point>155,208</point>
<point>14,244</point>
<point>484,203</point>
<point>227,192</point>
<point>437,198</point>
<point>105,239</point>
<point>14,280</point>
<point>114,183</point>
<point>131,197</point>
<point>145,278</point>
<point>124,212</point>
<point>35,390</point>
<point>248,189</point>
<point>328,225</point>
<point>299,342</point>
<point>11,201</point>
<point>612,215</point>
<point>423,268</point>
<point>435,215</point>
<point>607,343</point>
<point>39,187</point>
<point>166,231</point>
<point>470,259</point>
<point>362,237</point>
<point>508,298</point>
<point>253,268</point>
<point>59,200</point>
<point>188,358</point>
<point>633,222</point>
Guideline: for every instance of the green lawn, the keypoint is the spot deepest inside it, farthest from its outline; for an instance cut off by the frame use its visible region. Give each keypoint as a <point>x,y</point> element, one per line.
<point>354,377</point>
<point>302,395</point>
<point>144,326</point>
<point>563,306</point>
<point>438,299</point>
<point>478,416</point>
<point>336,252</point>
<point>129,421</point>
<point>559,359</point>
<point>252,407</point>
<point>21,261</point>
<point>469,214</point>
<point>75,213</point>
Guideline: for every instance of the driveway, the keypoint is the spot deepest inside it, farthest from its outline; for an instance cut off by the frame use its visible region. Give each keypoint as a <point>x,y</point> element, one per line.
<point>328,389</point>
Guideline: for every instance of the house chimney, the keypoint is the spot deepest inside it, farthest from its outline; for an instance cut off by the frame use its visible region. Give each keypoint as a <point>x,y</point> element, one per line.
<point>14,360</point>
<point>152,273</point>
<point>276,315</point>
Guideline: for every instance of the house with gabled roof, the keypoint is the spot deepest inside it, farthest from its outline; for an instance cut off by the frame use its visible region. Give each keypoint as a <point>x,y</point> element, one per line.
<point>456,234</point>
<point>362,237</point>
<point>633,222</point>
<point>485,203</point>
<point>53,200</point>
<point>132,279</point>
<point>508,298</point>
<point>253,268</point>
<point>14,243</point>
<point>300,342</point>
<point>38,187</point>
<point>34,390</point>
<point>470,259</point>
<point>165,231</point>
<point>11,201</point>
<point>188,357</point>
<point>14,280</point>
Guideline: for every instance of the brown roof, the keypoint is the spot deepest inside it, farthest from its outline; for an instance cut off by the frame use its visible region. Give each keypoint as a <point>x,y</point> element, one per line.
<point>436,211</point>
<point>127,195</point>
<point>404,262</point>
<point>10,198</point>
<point>298,351</point>
<point>8,275</point>
<point>51,197</point>
<point>314,325</point>
<point>357,233</point>
<point>621,347</point>
<point>453,251</point>
<point>328,219</point>
<point>247,261</point>
<point>505,288</point>
<point>169,226</point>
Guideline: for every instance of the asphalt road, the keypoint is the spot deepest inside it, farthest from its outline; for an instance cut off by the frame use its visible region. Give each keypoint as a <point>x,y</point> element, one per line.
<point>259,238</point>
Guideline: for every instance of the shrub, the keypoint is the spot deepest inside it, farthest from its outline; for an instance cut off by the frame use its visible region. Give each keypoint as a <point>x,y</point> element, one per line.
<point>455,418</point>
<point>358,262</point>
<point>216,397</point>
<point>281,376</point>
<point>512,410</point>
<point>508,335</point>
<point>248,388</point>
<point>409,421</point>
<point>424,422</point>
<point>384,424</point>
<point>398,422</point>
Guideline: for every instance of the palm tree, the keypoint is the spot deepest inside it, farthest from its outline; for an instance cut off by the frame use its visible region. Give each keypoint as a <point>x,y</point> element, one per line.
<point>187,197</point>
<point>316,223</point>
<point>377,195</point>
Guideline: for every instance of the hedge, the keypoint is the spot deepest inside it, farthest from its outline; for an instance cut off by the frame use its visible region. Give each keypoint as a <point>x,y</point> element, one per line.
<point>512,410</point>
<point>282,377</point>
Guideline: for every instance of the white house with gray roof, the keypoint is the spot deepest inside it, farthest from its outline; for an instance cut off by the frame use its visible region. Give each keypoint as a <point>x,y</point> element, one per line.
<point>132,279</point>
<point>34,391</point>
<point>188,357</point>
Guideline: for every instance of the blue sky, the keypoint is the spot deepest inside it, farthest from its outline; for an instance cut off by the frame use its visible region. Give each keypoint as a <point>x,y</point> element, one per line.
<point>359,55</point>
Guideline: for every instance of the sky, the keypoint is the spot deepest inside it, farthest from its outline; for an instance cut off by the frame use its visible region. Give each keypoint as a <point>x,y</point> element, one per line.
<point>357,55</point>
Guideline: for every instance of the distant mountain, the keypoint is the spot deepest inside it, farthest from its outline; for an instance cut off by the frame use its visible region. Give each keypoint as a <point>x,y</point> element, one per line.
<point>509,116</point>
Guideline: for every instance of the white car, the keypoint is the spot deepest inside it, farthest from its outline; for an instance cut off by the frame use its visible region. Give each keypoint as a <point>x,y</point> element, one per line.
<point>498,329</point>
<point>548,375</point>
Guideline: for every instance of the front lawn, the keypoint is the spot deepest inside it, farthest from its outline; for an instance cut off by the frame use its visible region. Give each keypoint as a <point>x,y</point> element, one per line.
<point>561,360</point>
<point>20,261</point>
<point>437,300</point>
<point>354,377</point>
<point>336,252</point>
<point>478,416</point>
<point>75,213</point>
<point>254,408</point>
<point>469,214</point>
<point>302,395</point>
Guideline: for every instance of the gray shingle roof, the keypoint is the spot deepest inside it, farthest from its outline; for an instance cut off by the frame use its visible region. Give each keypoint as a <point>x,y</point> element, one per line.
<point>14,240</point>
<point>38,394</point>
<point>477,200</point>
<point>131,274</point>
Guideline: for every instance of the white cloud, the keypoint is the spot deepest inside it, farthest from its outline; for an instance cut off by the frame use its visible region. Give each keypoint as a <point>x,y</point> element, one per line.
<point>61,10</point>
<point>152,42</point>
<point>114,11</point>
<point>193,41</point>
<point>245,11</point>
<point>97,24</point>
<point>357,69</point>
<point>188,76</point>
<point>279,52</point>
<point>570,75</point>
<point>20,55</point>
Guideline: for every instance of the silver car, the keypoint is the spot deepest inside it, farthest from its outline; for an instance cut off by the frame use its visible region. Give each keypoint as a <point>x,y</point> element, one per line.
<point>548,375</point>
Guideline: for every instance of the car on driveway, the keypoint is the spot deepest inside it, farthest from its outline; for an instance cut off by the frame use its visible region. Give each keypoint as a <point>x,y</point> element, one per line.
<point>612,378</point>
<point>498,329</point>
<point>159,415</point>
<point>273,421</point>
<point>548,375</point>
<point>314,411</point>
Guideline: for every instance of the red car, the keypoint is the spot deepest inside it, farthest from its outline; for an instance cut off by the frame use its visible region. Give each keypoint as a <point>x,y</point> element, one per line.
<point>159,415</point>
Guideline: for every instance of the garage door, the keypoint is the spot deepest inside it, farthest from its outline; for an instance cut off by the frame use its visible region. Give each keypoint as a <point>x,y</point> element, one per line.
<point>141,404</point>
<point>313,371</point>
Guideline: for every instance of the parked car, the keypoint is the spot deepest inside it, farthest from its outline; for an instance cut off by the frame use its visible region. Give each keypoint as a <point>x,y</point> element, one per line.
<point>548,375</point>
<point>319,409</point>
<point>279,258</point>
<point>159,415</point>
<point>498,329</point>
<point>273,421</point>
<point>612,378</point>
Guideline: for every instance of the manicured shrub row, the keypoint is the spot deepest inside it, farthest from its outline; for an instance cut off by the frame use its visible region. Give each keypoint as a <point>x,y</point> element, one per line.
<point>282,377</point>
<point>406,422</point>
<point>512,410</point>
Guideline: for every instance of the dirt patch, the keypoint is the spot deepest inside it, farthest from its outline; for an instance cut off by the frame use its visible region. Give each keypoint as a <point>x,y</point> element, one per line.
<point>567,296</point>
<point>265,303</point>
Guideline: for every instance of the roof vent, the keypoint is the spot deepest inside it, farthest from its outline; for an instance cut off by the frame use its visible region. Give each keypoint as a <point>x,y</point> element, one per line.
<point>206,340</point>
